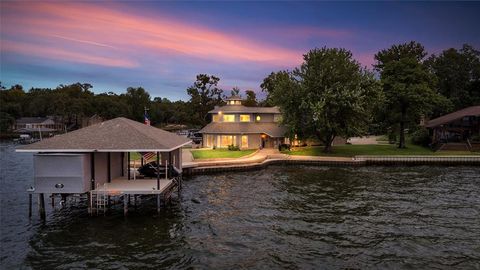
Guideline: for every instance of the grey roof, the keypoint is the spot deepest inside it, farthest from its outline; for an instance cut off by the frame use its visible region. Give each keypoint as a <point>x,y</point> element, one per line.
<point>116,135</point>
<point>34,130</point>
<point>234,98</point>
<point>271,129</point>
<point>470,111</point>
<point>31,120</point>
<point>244,109</point>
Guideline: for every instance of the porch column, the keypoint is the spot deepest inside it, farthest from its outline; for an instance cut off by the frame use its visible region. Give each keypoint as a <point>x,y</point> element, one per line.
<point>109,172</point>
<point>128,165</point>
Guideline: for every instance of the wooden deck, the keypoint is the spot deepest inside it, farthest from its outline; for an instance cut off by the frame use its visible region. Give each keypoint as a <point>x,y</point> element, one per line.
<point>121,186</point>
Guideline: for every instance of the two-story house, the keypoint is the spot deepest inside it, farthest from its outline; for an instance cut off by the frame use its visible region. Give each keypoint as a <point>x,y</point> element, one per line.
<point>245,127</point>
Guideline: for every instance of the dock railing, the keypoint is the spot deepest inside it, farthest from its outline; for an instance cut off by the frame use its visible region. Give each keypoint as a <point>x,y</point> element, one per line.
<point>452,160</point>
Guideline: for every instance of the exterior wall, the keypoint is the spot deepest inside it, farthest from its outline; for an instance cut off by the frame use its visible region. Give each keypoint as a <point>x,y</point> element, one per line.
<point>116,165</point>
<point>101,169</point>
<point>254,140</point>
<point>264,117</point>
<point>62,173</point>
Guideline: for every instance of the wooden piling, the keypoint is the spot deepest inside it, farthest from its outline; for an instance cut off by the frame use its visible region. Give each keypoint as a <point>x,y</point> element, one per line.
<point>125,204</point>
<point>30,204</point>
<point>158,203</point>
<point>41,206</point>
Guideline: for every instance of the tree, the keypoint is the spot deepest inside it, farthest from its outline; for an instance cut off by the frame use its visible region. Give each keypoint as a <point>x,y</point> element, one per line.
<point>330,95</point>
<point>251,100</point>
<point>204,95</point>
<point>137,99</point>
<point>407,84</point>
<point>235,91</point>
<point>458,75</point>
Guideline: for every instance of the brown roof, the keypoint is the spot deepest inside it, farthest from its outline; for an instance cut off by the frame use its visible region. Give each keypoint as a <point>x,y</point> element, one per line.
<point>244,109</point>
<point>32,120</point>
<point>234,98</point>
<point>116,135</point>
<point>271,129</point>
<point>470,111</point>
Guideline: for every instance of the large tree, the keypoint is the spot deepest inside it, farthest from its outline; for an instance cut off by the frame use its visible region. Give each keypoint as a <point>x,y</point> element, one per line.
<point>330,95</point>
<point>458,75</point>
<point>407,84</point>
<point>204,95</point>
<point>251,99</point>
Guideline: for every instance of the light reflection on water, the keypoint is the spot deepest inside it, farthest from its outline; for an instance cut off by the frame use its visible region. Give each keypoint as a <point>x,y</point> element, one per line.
<point>280,217</point>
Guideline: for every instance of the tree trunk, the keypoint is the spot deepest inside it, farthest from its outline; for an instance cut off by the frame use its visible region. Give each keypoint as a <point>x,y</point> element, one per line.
<point>401,143</point>
<point>327,140</point>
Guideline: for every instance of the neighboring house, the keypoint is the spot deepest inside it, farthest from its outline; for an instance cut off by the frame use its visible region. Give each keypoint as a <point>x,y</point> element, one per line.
<point>245,127</point>
<point>459,126</point>
<point>88,121</point>
<point>34,124</point>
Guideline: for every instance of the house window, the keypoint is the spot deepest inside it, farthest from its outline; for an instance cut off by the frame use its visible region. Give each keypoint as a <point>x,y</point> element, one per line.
<point>244,117</point>
<point>258,118</point>
<point>244,141</point>
<point>229,118</point>
<point>209,140</point>
<point>215,118</point>
<point>226,140</point>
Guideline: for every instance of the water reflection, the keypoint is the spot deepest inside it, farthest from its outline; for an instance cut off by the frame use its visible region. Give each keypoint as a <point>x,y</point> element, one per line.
<point>281,217</point>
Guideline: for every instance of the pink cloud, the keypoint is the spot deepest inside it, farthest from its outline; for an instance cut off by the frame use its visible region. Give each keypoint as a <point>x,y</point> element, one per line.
<point>87,33</point>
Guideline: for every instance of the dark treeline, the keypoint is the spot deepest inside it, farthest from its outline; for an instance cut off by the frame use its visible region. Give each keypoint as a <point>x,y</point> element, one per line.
<point>73,102</point>
<point>329,95</point>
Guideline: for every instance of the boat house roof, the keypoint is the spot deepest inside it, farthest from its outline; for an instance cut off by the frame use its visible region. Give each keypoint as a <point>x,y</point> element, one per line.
<point>271,129</point>
<point>116,135</point>
<point>470,111</point>
<point>32,120</point>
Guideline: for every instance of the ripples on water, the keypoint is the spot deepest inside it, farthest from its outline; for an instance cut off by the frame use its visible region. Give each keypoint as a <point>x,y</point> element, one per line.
<point>280,217</point>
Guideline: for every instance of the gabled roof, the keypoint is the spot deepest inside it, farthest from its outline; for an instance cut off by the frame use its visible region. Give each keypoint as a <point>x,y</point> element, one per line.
<point>244,109</point>
<point>116,135</point>
<point>234,98</point>
<point>271,129</point>
<point>31,120</point>
<point>470,111</point>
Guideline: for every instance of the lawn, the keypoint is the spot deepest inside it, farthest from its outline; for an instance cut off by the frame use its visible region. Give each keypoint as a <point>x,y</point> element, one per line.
<point>373,149</point>
<point>220,153</point>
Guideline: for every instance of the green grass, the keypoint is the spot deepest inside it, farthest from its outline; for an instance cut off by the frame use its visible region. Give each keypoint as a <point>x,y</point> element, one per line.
<point>135,156</point>
<point>220,153</point>
<point>373,149</point>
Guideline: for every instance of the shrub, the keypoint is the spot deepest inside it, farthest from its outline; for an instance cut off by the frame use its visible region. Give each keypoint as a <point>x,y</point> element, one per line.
<point>392,138</point>
<point>232,147</point>
<point>421,137</point>
<point>475,138</point>
<point>284,147</point>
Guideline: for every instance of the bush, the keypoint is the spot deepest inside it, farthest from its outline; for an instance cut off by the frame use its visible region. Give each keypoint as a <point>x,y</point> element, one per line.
<point>232,147</point>
<point>475,138</point>
<point>421,137</point>
<point>284,147</point>
<point>392,138</point>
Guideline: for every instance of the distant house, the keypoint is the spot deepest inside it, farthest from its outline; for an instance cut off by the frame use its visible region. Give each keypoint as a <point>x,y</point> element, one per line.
<point>88,121</point>
<point>245,127</point>
<point>35,124</point>
<point>455,127</point>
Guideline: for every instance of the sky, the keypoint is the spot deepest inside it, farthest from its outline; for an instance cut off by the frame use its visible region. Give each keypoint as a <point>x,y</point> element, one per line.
<point>162,46</point>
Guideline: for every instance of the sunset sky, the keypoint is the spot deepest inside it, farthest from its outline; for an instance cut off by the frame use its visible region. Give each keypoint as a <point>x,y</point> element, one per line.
<point>161,46</point>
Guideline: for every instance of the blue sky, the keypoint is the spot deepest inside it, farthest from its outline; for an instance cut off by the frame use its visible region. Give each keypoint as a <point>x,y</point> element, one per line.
<point>161,46</point>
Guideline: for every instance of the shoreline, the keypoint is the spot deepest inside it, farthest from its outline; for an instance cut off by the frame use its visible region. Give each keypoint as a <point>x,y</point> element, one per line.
<point>198,168</point>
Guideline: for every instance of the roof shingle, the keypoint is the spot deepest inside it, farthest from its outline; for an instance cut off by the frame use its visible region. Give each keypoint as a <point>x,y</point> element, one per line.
<point>470,111</point>
<point>271,129</point>
<point>119,134</point>
<point>244,109</point>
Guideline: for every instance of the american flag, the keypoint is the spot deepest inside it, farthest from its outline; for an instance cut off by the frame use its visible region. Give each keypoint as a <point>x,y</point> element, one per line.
<point>147,119</point>
<point>148,155</point>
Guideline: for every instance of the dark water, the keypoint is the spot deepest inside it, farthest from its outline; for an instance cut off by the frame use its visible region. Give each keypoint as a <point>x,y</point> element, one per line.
<point>307,217</point>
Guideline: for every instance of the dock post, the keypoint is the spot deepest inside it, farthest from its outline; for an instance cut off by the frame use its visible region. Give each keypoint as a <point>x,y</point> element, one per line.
<point>30,204</point>
<point>53,200</point>
<point>158,203</point>
<point>89,203</point>
<point>125,204</point>
<point>41,204</point>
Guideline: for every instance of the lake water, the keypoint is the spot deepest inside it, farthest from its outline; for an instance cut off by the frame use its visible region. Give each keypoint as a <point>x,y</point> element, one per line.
<point>280,217</point>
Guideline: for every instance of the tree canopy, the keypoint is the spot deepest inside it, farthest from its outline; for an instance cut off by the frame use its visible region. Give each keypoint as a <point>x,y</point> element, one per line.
<point>329,95</point>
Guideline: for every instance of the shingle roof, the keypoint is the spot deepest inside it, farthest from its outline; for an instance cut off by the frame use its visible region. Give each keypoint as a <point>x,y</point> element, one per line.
<point>244,109</point>
<point>119,134</point>
<point>271,129</point>
<point>470,111</point>
<point>234,98</point>
<point>31,120</point>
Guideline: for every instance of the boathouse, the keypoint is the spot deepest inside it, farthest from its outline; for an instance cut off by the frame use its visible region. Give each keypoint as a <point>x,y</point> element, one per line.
<point>96,160</point>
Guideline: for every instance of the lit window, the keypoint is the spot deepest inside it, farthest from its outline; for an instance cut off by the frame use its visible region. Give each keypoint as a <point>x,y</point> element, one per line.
<point>244,117</point>
<point>244,141</point>
<point>258,118</point>
<point>216,118</point>
<point>226,140</point>
<point>229,118</point>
